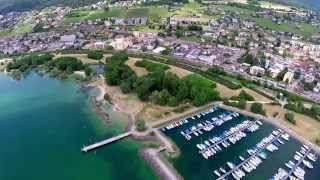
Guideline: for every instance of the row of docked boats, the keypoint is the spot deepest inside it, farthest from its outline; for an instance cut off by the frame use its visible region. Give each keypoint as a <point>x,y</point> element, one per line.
<point>257,155</point>
<point>208,125</point>
<point>186,120</point>
<point>213,145</point>
<point>294,171</point>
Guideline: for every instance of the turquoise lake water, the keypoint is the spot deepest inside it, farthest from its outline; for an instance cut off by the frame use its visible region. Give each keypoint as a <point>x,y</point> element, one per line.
<point>43,124</point>
<point>192,166</point>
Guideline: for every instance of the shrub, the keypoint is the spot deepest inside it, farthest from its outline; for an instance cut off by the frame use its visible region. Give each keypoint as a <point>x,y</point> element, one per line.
<point>140,125</point>
<point>290,117</point>
<point>257,108</point>
<point>151,66</point>
<point>97,55</point>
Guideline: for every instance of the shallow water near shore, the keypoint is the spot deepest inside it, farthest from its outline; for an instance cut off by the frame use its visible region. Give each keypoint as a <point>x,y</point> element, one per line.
<point>192,166</point>
<point>43,125</point>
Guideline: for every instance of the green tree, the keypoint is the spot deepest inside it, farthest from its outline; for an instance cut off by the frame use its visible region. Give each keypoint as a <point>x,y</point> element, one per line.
<point>97,55</point>
<point>88,71</point>
<point>257,108</point>
<point>183,91</point>
<point>290,117</point>
<point>140,125</point>
<point>315,110</point>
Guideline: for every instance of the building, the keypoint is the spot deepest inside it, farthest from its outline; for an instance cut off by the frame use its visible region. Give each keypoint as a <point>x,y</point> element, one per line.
<point>122,42</point>
<point>288,77</point>
<point>257,71</point>
<point>185,21</point>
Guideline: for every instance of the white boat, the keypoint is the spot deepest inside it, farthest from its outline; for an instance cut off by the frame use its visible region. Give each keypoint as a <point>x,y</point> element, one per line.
<point>222,170</point>
<point>312,157</point>
<point>231,165</point>
<point>241,158</point>
<point>235,176</point>
<point>308,164</point>
<point>217,173</point>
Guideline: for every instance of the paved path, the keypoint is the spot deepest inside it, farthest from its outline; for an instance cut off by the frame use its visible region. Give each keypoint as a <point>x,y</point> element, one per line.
<point>105,142</point>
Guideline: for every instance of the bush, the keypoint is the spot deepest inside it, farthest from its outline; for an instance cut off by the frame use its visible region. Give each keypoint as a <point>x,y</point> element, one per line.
<point>140,125</point>
<point>152,67</point>
<point>257,108</point>
<point>290,117</point>
<point>88,71</point>
<point>68,64</point>
<point>97,55</point>
<point>243,96</point>
<point>241,104</point>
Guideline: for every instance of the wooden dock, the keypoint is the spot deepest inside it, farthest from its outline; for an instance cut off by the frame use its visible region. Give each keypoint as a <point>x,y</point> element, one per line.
<point>105,142</point>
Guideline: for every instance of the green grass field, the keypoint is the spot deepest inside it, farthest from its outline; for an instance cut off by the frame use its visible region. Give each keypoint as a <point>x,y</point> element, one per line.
<point>154,13</point>
<point>17,31</point>
<point>300,28</point>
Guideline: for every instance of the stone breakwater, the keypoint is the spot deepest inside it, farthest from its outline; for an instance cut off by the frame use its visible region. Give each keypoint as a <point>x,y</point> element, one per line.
<point>161,166</point>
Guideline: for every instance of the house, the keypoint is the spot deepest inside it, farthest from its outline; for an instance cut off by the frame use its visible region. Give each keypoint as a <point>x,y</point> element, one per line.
<point>68,40</point>
<point>288,77</point>
<point>122,42</point>
<point>158,50</point>
<point>257,71</point>
<point>178,20</point>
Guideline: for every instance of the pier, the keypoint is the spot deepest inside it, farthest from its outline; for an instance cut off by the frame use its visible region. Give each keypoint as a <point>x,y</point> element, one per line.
<point>296,165</point>
<point>202,127</point>
<point>105,142</point>
<point>226,137</point>
<point>248,159</point>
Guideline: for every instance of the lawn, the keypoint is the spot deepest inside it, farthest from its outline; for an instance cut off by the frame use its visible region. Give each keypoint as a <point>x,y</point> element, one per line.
<point>16,31</point>
<point>301,28</point>
<point>189,9</point>
<point>154,13</point>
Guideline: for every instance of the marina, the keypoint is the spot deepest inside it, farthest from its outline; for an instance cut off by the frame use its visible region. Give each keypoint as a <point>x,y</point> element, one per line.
<point>302,158</point>
<point>241,147</point>
<point>254,160</point>
<point>231,136</point>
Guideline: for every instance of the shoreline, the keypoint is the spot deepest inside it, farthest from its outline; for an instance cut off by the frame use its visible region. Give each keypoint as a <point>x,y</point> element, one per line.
<point>151,156</point>
<point>160,165</point>
<point>274,122</point>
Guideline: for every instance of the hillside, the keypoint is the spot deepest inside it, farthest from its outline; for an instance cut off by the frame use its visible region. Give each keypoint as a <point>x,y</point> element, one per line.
<point>23,5</point>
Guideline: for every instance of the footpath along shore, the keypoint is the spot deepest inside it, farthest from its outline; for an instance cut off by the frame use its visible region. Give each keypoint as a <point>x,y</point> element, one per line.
<point>151,155</point>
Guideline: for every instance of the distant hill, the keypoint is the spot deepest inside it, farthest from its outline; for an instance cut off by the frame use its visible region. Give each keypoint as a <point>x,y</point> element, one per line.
<point>309,4</point>
<point>23,5</point>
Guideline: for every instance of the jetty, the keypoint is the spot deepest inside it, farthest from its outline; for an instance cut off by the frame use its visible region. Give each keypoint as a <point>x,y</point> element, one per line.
<point>296,165</point>
<point>224,176</point>
<point>228,136</point>
<point>105,142</point>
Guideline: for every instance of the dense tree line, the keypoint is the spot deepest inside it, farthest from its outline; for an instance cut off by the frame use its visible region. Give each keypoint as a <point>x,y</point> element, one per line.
<point>68,64</point>
<point>158,86</point>
<point>151,67</point>
<point>27,62</point>
<point>59,67</point>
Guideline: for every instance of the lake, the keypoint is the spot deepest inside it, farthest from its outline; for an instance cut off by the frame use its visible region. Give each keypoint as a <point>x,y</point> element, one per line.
<point>44,122</point>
